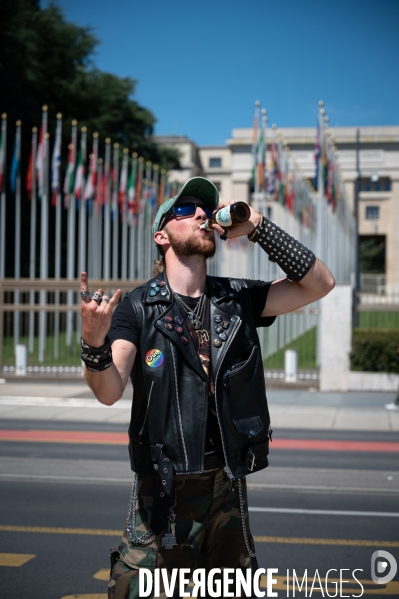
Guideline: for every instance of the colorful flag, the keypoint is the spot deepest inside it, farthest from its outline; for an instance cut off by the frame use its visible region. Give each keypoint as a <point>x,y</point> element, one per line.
<point>90,188</point>
<point>272,170</point>
<point>317,149</point>
<point>70,172</point>
<point>80,168</point>
<point>123,181</point>
<point>15,159</point>
<point>40,159</point>
<point>131,186</point>
<point>56,164</point>
<point>261,158</point>
<point>31,166</point>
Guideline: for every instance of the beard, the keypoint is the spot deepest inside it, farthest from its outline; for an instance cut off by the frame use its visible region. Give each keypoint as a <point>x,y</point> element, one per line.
<point>193,246</point>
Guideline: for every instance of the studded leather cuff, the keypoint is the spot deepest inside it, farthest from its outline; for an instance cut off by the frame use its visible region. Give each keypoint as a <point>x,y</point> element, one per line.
<point>292,256</point>
<point>97,359</point>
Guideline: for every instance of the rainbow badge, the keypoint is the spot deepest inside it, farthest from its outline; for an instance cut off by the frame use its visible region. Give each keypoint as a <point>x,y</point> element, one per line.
<point>154,358</point>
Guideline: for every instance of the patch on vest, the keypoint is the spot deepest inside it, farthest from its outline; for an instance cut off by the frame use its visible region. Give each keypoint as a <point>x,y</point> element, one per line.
<point>154,358</point>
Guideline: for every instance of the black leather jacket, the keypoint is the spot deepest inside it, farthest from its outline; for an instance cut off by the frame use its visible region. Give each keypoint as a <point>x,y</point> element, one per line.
<point>170,397</point>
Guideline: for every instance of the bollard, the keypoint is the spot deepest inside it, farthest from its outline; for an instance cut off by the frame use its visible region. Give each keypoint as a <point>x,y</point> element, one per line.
<point>290,365</point>
<point>21,359</point>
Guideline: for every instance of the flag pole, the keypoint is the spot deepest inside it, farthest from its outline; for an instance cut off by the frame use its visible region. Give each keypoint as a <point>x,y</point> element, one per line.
<point>82,207</point>
<point>3,194</point>
<point>123,190</point>
<point>32,258</point>
<point>97,209</point>
<point>107,211</point>
<point>132,199</point>
<point>115,212</point>
<point>17,255</point>
<point>44,237</point>
<point>69,190</point>
<point>56,164</point>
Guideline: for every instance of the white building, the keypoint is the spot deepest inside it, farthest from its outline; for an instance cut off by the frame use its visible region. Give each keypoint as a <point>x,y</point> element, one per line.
<point>229,167</point>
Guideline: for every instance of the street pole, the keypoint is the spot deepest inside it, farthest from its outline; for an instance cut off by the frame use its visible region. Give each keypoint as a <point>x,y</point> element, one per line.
<point>357,265</point>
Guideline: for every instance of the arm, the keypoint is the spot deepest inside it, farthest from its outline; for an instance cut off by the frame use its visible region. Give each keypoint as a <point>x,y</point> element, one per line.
<point>107,385</point>
<point>285,295</point>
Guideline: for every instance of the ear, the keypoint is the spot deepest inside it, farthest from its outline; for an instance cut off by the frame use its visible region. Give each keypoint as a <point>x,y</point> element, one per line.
<point>161,237</point>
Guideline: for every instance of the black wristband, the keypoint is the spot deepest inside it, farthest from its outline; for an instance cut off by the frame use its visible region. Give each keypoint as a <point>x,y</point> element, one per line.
<point>292,256</point>
<point>97,359</point>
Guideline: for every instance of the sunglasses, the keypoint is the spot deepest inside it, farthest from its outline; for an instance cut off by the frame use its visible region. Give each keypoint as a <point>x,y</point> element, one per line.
<point>185,211</point>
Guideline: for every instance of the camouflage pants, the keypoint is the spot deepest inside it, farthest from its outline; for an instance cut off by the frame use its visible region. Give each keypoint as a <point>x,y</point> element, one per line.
<point>209,532</point>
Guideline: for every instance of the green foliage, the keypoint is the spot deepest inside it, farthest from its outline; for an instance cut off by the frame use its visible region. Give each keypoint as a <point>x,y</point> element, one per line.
<point>375,350</point>
<point>372,254</point>
<point>46,60</point>
<point>378,320</point>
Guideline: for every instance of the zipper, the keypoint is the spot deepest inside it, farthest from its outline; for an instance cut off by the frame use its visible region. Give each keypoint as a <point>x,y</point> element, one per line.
<point>227,345</point>
<point>148,405</point>
<point>234,371</point>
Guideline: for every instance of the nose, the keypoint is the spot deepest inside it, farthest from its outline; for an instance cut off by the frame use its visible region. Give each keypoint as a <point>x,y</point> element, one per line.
<point>200,212</point>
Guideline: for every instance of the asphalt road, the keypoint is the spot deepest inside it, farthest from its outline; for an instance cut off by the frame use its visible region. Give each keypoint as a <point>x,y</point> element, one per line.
<point>313,510</point>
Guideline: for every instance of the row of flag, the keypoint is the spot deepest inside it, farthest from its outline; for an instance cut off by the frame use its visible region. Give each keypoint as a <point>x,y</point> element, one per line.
<point>134,185</point>
<point>276,173</point>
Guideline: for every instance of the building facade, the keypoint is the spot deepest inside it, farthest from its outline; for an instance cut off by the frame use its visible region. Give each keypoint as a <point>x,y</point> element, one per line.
<point>229,167</point>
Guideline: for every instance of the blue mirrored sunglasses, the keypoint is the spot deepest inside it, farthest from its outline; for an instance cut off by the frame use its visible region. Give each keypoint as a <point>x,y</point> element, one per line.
<point>185,211</point>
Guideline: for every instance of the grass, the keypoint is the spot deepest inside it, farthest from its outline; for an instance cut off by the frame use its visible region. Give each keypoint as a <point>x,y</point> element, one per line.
<point>305,345</point>
<point>68,356</point>
<point>379,320</point>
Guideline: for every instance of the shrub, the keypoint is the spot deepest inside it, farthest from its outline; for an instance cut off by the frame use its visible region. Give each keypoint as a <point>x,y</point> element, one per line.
<point>375,350</point>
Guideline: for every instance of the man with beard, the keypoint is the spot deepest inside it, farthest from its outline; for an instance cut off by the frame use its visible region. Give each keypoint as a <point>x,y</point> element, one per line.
<point>200,421</point>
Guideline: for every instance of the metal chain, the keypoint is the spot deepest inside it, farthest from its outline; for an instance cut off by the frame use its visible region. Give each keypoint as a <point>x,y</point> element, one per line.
<point>244,527</point>
<point>198,312</point>
<point>148,537</point>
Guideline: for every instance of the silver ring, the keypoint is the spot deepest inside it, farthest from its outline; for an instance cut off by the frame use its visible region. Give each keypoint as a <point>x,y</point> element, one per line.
<point>105,299</point>
<point>84,294</point>
<point>97,297</point>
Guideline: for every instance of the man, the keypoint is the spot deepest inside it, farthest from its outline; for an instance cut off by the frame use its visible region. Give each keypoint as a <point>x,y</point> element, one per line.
<point>200,420</point>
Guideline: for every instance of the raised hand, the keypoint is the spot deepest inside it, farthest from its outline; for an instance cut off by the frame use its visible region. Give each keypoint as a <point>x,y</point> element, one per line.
<point>96,311</point>
<point>240,229</point>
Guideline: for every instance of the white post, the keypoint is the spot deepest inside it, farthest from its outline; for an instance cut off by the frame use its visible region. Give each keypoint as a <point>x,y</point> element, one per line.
<point>336,338</point>
<point>291,365</point>
<point>21,359</point>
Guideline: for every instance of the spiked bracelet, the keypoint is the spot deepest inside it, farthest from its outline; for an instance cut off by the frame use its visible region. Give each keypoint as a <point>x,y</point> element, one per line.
<point>292,257</point>
<point>97,359</point>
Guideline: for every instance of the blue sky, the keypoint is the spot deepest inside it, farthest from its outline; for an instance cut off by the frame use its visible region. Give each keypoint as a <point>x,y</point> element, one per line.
<point>200,65</point>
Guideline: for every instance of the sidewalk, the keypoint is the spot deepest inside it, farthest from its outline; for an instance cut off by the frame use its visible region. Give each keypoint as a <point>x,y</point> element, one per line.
<point>73,401</point>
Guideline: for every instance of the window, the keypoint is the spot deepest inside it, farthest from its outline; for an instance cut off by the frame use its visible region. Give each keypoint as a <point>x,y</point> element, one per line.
<point>218,185</point>
<point>375,183</point>
<point>372,212</point>
<point>215,162</point>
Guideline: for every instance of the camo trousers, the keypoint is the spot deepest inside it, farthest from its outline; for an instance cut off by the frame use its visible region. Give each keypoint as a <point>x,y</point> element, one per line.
<point>208,530</point>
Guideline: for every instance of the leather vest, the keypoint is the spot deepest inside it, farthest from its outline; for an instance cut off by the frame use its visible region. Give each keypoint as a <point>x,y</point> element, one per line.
<point>170,387</point>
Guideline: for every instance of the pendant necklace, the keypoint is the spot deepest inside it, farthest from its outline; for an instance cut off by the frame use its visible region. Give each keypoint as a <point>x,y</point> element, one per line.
<point>195,316</point>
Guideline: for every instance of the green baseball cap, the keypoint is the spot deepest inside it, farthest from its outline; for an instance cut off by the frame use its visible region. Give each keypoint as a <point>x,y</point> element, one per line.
<point>198,187</point>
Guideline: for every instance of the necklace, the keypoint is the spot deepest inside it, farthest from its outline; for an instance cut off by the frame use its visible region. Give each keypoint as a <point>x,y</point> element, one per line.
<point>196,316</point>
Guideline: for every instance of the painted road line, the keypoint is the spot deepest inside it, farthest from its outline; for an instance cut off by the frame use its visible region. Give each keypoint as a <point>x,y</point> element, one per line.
<point>110,438</point>
<point>15,559</point>
<point>259,539</point>
<point>94,480</point>
<point>282,510</point>
<point>59,402</point>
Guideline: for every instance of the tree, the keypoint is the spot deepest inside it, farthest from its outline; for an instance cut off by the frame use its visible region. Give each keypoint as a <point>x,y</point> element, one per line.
<point>46,60</point>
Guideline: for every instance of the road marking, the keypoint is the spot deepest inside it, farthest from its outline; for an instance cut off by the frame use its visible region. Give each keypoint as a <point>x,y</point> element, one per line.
<point>282,510</point>
<point>110,438</point>
<point>259,539</point>
<point>15,559</point>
